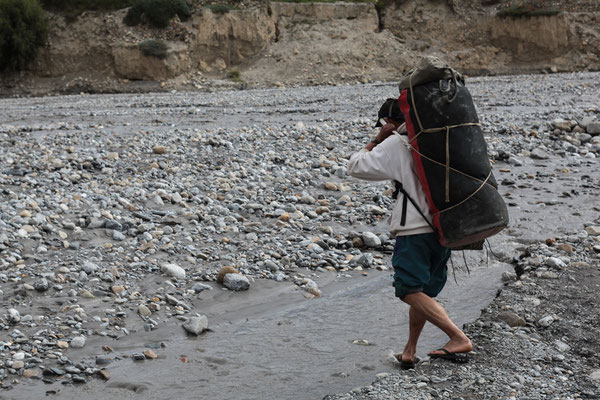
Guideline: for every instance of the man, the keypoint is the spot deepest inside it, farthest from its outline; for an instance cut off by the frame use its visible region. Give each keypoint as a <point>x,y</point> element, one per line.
<point>419,260</point>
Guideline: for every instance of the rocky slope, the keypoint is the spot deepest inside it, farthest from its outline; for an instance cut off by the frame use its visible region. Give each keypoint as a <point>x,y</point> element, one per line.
<point>310,43</point>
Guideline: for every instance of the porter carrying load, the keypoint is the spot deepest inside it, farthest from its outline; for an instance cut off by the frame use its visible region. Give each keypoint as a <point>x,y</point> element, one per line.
<point>450,155</point>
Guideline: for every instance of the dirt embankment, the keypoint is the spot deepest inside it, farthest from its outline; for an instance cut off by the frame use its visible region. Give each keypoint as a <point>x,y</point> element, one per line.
<point>310,43</point>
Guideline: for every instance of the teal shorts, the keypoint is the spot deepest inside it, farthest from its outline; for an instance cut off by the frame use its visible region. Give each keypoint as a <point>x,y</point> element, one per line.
<point>419,263</point>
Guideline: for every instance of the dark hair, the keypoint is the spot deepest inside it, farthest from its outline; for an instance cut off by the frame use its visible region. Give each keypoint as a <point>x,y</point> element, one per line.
<point>390,109</point>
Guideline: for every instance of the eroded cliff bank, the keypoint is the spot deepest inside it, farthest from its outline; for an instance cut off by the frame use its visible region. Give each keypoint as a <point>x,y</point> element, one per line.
<point>273,44</point>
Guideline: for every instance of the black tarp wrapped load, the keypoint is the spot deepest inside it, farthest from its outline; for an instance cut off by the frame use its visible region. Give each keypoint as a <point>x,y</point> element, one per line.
<point>450,155</point>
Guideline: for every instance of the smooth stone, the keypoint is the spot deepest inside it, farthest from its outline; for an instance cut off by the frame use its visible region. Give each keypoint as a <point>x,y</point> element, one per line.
<point>13,316</point>
<point>102,360</point>
<point>173,270</point>
<point>32,373</point>
<point>508,276</point>
<point>236,282</point>
<point>18,364</point>
<point>595,375</point>
<point>562,346</point>
<point>370,239</point>
<point>593,230</point>
<point>149,354</point>
<point>89,267</point>
<point>196,325</point>
<point>200,287</point>
<point>512,319</point>
<point>545,321</point>
<point>539,154</point>
<point>78,342</point>
<point>593,128</point>
<point>555,263</point>
<point>144,311</point>
<point>41,285</point>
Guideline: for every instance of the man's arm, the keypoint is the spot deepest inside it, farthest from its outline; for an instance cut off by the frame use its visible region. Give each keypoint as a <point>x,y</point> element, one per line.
<point>372,165</point>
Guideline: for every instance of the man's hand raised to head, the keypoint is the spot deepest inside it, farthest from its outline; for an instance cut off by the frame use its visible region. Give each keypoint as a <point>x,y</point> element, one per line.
<point>386,131</point>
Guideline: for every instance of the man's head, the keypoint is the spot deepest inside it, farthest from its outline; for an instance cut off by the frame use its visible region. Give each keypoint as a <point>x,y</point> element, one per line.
<point>390,111</point>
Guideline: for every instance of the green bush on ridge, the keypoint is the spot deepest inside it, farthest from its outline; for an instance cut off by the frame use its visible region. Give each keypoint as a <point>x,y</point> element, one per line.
<point>524,11</point>
<point>154,48</point>
<point>157,13</point>
<point>23,30</point>
<point>71,9</point>
<point>221,8</point>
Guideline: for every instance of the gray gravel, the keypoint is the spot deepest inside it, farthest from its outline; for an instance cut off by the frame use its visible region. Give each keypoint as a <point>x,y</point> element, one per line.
<point>123,208</point>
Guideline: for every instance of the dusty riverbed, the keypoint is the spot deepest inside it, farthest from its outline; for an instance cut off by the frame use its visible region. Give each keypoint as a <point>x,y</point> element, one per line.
<point>100,192</point>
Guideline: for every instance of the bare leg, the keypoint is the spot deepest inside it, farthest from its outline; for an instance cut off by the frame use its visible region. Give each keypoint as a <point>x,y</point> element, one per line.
<point>432,311</point>
<point>416,324</point>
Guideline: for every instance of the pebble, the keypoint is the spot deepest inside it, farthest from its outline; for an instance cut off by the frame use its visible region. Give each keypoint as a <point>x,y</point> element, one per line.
<point>151,355</point>
<point>545,321</point>
<point>32,373</point>
<point>144,311</point>
<point>41,285</point>
<point>370,239</point>
<point>512,319</point>
<point>78,342</point>
<point>593,230</point>
<point>196,325</point>
<point>236,282</point>
<point>556,263</point>
<point>173,270</point>
<point>200,287</point>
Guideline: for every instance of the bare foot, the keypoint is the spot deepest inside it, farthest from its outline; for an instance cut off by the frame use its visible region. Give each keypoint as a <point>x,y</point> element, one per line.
<point>408,354</point>
<point>406,357</point>
<point>455,346</point>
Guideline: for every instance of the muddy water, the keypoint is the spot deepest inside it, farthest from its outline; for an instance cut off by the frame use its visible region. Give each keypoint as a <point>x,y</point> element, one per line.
<point>272,343</point>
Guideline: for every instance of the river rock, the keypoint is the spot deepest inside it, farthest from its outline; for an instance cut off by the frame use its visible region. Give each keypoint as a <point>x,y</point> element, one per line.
<point>78,342</point>
<point>509,276</point>
<point>370,239</point>
<point>512,319</point>
<point>593,128</point>
<point>159,149</point>
<point>13,316</point>
<point>150,355</point>
<point>196,325</point>
<point>539,154</point>
<point>200,287</point>
<point>173,270</point>
<point>89,267</point>
<point>41,285</point>
<point>32,373</point>
<point>555,263</point>
<point>593,230</point>
<point>236,282</point>
<point>546,321</point>
<point>144,311</point>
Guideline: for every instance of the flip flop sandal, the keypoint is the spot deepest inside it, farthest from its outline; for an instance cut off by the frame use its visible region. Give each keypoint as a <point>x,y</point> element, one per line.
<point>407,364</point>
<point>459,358</point>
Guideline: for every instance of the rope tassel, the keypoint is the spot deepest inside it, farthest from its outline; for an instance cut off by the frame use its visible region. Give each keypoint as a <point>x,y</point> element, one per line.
<point>447,164</point>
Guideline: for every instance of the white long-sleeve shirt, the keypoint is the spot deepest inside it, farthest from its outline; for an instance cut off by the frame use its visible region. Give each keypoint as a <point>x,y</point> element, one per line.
<point>392,160</point>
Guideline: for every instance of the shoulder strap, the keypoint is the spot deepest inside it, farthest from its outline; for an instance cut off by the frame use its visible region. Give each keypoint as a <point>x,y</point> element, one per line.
<point>400,189</point>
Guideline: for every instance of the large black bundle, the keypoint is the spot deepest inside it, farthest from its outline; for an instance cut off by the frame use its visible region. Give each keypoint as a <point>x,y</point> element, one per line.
<point>451,161</point>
